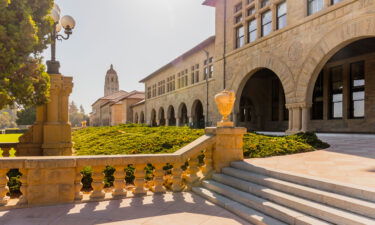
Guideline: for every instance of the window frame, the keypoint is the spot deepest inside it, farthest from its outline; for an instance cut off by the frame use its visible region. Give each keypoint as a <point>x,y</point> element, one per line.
<point>352,90</point>
<point>279,17</point>
<point>263,25</point>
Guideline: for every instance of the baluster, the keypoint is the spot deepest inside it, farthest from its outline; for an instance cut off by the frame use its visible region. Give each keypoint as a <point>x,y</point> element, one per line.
<point>139,180</point>
<point>207,167</point>
<point>78,184</point>
<point>97,182</point>
<point>23,188</point>
<point>119,182</point>
<point>6,151</point>
<point>193,171</point>
<point>177,184</point>
<point>158,179</point>
<point>3,187</point>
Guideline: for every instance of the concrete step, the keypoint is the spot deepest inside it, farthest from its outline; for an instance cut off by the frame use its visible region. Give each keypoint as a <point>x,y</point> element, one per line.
<point>249,214</point>
<point>274,210</point>
<point>355,191</point>
<point>315,209</point>
<point>355,205</point>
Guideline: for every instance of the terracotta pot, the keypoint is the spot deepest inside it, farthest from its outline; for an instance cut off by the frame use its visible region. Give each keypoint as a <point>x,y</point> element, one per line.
<point>225,102</point>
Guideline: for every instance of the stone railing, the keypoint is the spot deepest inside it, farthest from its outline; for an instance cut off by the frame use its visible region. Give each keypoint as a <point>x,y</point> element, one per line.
<point>53,180</point>
<point>6,148</point>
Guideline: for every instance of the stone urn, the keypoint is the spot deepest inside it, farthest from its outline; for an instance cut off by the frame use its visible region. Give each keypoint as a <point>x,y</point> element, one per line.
<point>225,102</point>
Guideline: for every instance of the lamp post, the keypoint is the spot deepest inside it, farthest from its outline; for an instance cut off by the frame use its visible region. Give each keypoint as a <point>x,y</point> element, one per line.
<point>66,22</point>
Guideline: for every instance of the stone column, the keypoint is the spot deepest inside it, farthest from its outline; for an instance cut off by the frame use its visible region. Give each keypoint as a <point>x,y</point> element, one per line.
<point>228,148</point>
<point>191,119</point>
<point>305,118</point>
<point>178,122</point>
<point>296,119</point>
<point>57,130</point>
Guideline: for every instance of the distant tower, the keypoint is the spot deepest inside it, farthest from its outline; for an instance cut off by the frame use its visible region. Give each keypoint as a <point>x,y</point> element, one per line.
<point>111,82</point>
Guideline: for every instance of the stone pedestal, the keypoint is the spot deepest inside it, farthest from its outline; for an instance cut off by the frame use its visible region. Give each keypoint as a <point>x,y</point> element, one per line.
<point>228,148</point>
<point>51,133</point>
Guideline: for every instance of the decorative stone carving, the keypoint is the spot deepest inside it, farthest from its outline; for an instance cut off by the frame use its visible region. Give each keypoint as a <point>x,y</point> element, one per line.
<point>225,102</point>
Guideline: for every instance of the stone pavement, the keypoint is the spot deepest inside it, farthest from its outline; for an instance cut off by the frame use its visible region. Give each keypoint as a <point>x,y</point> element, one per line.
<point>168,209</point>
<point>350,159</point>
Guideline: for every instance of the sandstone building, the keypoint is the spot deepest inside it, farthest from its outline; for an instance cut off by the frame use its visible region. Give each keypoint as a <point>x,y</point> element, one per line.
<point>115,107</point>
<point>296,65</point>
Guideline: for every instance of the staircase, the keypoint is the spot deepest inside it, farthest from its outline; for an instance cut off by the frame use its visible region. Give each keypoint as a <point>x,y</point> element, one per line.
<point>267,196</point>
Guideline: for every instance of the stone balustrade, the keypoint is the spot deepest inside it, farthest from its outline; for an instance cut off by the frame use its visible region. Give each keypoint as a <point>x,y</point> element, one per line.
<point>53,180</point>
<point>6,148</point>
<point>58,179</point>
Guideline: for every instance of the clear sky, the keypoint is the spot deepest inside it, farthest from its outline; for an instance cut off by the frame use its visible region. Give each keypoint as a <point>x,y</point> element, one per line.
<point>136,36</point>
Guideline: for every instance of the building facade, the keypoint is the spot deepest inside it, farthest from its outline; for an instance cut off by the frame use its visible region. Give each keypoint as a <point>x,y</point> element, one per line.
<point>295,65</point>
<point>115,106</point>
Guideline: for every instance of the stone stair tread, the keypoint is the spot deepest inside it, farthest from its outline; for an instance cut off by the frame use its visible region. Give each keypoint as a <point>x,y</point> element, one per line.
<point>249,214</point>
<point>356,191</point>
<point>360,206</point>
<point>315,209</point>
<point>275,210</point>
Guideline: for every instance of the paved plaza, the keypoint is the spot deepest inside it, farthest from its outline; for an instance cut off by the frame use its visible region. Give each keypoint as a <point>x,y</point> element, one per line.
<point>350,159</point>
<point>169,209</point>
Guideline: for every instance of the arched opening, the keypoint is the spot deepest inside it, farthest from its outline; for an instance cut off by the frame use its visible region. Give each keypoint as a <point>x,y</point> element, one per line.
<point>136,118</point>
<point>341,95</point>
<point>171,116</point>
<point>183,115</point>
<point>153,118</point>
<point>198,115</point>
<point>142,118</point>
<point>261,105</point>
<point>161,117</point>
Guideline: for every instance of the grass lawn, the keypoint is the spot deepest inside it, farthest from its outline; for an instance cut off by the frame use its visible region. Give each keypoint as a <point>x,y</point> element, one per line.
<point>9,138</point>
<point>140,139</point>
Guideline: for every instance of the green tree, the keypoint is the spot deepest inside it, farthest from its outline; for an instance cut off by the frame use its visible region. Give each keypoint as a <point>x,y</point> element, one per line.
<point>8,118</point>
<point>26,116</point>
<point>24,29</point>
<point>76,116</point>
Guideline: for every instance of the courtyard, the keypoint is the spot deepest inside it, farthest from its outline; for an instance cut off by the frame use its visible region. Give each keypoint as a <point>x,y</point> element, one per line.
<point>349,160</point>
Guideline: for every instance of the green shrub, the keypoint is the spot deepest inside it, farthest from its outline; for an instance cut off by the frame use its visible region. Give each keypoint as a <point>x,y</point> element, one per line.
<point>14,182</point>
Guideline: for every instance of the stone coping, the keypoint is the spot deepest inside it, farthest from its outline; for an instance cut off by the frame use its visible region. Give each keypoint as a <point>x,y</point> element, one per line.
<point>180,156</point>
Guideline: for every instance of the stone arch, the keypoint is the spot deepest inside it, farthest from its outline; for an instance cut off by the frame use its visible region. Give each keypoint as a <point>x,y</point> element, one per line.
<point>136,118</point>
<point>331,43</point>
<point>161,116</point>
<point>183,114</point>
<point>153,118</point>
<point>197,114</point>
<point>171,116</point>
<point>142,117</point>
<point>263,61</point>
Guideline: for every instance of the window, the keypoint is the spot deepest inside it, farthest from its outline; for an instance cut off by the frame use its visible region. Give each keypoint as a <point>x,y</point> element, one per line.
<point>317,107</point>
<point>238,19</point>
<point>210,60</point>
<point>211,71</point>
<point>357,90</point>
<point>281,15</point>
<point>336,95</point>
<point>149,92</point>
<point>154,90</point>
<point>240,36</point>
<point>266,23</point>
<point>196,76</point>
<point>251,11</point>
<point>238,7</point>
<point>275,92</point>
<point>264,3</point>
<point>335,1</point>
<point>252,36</point>
<point>205,72</point>
<point>192,78</point>
<point>314,6</point>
